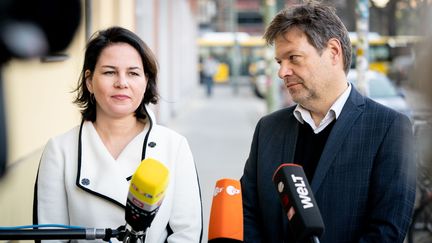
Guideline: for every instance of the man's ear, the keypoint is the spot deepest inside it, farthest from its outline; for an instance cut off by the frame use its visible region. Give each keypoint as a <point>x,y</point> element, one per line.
<point>88,80</point>
<point>335,48</point>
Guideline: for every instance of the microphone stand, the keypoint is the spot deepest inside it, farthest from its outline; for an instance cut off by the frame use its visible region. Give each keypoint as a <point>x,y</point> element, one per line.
<point>314,239</point>
<point>62,234</point>
<point>132,236</point>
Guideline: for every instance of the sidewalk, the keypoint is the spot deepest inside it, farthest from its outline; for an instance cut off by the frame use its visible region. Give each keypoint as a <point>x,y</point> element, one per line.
<point>219,130</point>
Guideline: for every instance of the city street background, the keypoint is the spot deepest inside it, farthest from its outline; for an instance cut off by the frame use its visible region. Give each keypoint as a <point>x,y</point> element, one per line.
<point>219,130</point>
<point>37,97</point>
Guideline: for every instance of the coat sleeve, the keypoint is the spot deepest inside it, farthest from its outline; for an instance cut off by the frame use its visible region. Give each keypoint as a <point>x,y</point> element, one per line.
<point>251,215</point>
<point>50,200</point>
<point>186,216</point>
<point>392,188</point>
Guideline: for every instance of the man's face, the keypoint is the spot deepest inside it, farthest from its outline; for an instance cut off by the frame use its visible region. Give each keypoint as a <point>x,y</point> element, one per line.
<point>305,72</point>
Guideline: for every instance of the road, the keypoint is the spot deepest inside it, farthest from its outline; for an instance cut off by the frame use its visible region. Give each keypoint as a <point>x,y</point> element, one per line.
<point>219,130</point>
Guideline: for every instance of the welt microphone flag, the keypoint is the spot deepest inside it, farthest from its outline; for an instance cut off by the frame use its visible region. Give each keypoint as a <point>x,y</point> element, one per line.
<point>226,215</point>
<point>298,202</point>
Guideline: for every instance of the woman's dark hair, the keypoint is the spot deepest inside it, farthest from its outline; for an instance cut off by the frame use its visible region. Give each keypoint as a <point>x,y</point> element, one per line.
<point>317,21</point>
<point>98,42</point>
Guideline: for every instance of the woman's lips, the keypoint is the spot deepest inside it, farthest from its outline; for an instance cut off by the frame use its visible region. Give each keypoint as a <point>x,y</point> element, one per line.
<point>120,97</point>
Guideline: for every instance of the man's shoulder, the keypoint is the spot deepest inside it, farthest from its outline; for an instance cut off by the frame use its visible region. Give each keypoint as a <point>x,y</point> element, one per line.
<point>371,107</point>
<point>281,116</point>
<point>283,113</point>
<point>379,110</point>
<point>376,115</point>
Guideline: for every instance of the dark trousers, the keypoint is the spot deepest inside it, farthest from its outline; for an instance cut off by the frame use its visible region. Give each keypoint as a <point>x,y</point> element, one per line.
<point>208,81</point>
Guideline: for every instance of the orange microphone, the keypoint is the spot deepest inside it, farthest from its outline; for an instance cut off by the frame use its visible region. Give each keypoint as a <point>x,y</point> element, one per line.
<point>226,215</point>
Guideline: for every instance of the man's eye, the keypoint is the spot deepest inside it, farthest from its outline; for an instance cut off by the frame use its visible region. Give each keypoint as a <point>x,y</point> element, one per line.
<point>108,72</point>
<point>294,58</point>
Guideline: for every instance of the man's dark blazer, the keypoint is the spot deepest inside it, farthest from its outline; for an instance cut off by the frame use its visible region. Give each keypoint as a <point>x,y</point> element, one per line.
<point>364,183</point>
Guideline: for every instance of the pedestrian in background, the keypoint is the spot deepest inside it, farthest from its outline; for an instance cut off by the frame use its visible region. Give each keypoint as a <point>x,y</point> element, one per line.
<point>210,67</point>
<point>357,154</point>
<point>83,177</point>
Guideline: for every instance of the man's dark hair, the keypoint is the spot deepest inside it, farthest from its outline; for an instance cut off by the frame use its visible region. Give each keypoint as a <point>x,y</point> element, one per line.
<point>317,21</point>
<point>98,42</point>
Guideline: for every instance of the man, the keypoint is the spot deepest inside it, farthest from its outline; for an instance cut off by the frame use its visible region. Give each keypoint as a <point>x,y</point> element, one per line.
<point>210,66</point>
<point>357,154</point>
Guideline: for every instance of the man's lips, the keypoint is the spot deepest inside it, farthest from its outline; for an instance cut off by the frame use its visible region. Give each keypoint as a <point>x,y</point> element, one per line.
<point>289,85</point>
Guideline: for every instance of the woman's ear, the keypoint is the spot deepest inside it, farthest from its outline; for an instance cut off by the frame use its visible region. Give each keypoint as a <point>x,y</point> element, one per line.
<point>88,80</point>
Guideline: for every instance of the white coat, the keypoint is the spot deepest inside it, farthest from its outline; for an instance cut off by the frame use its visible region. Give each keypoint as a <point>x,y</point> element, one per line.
<point>93,192</point>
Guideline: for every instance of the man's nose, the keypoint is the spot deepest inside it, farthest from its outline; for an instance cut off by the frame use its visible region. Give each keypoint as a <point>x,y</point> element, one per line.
<point>285,70</point>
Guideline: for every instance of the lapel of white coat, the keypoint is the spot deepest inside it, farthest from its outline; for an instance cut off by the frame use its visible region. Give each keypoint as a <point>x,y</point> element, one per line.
<point>99,173</point>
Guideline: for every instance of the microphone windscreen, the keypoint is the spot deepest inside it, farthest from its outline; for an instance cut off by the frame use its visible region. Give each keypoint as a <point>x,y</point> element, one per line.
<point>58,19</point>
<point>146,192</point>
<point>34,28</point>
<point>226,215</point>
<point>298,201</point>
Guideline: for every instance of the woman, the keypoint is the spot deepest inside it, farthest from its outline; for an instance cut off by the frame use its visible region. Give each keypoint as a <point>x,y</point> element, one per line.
<point>84,174</point>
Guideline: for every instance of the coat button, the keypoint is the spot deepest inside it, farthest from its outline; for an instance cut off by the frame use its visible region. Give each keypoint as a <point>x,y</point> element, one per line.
<point>85,182</point>
<point>152,144</point>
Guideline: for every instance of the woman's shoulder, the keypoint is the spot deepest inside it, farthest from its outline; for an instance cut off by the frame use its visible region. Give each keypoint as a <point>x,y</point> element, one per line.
<point>67,136</point>
<point>166,131</point>
<point>65,142</point>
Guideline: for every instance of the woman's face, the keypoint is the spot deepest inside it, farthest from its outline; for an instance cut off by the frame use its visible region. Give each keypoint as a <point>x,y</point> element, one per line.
<point>118,82</point>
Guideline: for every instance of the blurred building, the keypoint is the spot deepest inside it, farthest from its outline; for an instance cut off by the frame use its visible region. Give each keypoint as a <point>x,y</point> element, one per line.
<point>231,15</point>
<point>387,17</point>
<point>249,15</point>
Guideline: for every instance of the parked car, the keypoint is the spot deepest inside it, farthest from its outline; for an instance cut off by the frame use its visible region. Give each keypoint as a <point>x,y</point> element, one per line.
<point>383,91</point>
<point>401,68</point>
<point>258,78</point>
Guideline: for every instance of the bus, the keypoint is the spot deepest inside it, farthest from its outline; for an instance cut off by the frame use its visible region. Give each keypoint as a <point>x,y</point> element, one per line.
<point>252,50</point>
<point>221,46</point>
<point>380,53</point>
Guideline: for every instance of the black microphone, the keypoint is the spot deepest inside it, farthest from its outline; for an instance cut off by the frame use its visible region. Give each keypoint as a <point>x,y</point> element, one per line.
<point>33,28</point>
<point>298,202</point>
<point>29,29</point>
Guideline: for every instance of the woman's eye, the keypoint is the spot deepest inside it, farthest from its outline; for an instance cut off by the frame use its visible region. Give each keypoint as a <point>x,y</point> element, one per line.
<point>108,72</point>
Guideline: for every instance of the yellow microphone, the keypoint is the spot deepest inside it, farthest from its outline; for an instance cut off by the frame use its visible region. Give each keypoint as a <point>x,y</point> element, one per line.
<point>146,192</point>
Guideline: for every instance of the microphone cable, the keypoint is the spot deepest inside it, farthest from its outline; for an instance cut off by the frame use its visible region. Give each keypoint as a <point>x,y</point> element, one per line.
<point>40,226</point>
<point>56,231</point>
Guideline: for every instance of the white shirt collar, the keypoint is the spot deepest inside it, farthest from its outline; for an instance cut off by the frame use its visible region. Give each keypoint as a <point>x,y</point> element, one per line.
<point>303,115</point>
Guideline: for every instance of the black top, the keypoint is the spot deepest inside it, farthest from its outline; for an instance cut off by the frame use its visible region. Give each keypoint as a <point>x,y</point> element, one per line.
<point>309,147</point>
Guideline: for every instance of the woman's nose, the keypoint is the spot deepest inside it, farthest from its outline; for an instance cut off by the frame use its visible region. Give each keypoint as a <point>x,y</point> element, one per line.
<point>121,82</point>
